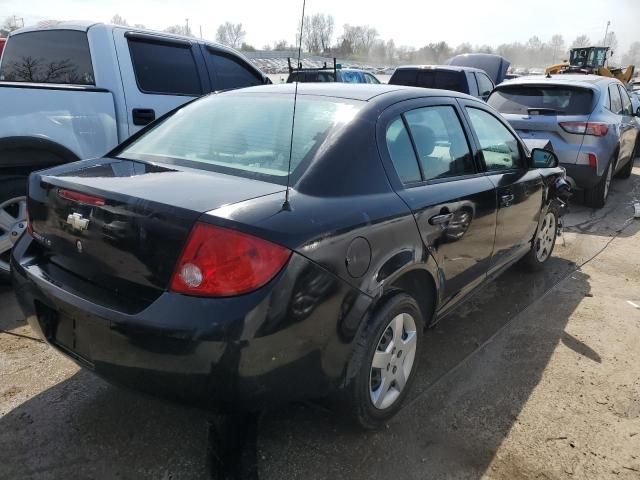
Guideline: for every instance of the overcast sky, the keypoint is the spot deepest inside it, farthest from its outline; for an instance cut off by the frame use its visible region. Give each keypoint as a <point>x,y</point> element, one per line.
<point>414,23</point>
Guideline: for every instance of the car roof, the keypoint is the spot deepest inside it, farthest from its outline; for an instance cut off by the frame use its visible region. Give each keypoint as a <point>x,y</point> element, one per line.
<point>453,68</point>
<point>85,25</point>
<point>351,91</point>
<point>567,79</point>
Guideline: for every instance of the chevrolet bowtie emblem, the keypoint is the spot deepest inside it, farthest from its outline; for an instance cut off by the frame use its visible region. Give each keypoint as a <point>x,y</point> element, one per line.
<point>77,222</point>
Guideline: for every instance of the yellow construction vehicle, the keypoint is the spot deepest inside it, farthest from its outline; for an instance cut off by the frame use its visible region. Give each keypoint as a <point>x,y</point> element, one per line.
<point>591,60</point>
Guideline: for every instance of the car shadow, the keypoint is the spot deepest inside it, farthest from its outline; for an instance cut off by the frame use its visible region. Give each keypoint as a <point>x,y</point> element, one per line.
<point>12,317</point>
<point>615,215</point>
<point>475,378</point>
<point>86,428</point>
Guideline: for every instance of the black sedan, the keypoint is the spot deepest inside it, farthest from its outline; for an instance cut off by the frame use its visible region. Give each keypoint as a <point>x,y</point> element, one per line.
<point>174,265</point>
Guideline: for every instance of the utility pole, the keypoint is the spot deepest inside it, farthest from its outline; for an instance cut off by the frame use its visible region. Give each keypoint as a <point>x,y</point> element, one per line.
<point>606,32</point>
<point>200,31</point>
<point>186,20</point>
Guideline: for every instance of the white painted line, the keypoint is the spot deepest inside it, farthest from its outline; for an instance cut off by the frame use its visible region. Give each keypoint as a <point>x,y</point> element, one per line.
<point>633,304</point>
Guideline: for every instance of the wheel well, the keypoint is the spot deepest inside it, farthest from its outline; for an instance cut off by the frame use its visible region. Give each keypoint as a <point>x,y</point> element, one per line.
<point>421,286</point>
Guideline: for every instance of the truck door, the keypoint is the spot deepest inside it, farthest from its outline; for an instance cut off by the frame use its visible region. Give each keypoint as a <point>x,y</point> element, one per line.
<point>158,74</point>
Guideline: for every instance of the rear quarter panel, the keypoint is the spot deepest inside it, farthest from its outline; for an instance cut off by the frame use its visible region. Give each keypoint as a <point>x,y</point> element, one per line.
<point>81,120</point>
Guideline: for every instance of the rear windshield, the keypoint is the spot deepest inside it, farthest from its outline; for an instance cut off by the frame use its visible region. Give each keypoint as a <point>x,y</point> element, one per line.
<point>525,99</point>
<point>55,56</point>
<point>247,135</point>
<point>443,79</point>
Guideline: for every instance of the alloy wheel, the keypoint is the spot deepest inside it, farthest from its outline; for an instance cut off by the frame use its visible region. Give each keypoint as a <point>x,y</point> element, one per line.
<point>393,361</point>
<point>546,237</point>
<point>13,221</point>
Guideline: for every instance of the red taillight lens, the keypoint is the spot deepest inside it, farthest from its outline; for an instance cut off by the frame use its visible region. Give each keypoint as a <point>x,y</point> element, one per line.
<point>586,128</point>
<point>218,262</point>
<point>80,197</point>
<point>593,160</point>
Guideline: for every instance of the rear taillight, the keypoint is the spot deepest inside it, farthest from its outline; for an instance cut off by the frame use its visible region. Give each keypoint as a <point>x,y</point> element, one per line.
<point>80,197</point>
<point>586,128</point>
<point>593,160</point>
<point>219,262</point>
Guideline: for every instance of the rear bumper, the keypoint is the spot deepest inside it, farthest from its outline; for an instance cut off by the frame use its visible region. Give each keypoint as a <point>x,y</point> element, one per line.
<point>288,340</point>
<point>584,176</point>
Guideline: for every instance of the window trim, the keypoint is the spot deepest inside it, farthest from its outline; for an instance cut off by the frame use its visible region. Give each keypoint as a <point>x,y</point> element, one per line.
<point>168,42</point>
<point>213,73</point>
<point>480,152</point>
<point>423,181</point>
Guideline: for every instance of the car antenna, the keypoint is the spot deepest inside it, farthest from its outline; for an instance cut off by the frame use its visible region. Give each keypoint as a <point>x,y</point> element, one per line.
<point>286,205</point>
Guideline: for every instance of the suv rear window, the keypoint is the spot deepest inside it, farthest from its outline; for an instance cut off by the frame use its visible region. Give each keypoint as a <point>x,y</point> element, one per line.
<point>50,56</point>
<point>558,100</point>
<point>309,77</point>
<point>431,78</point>
<point>243,134</point>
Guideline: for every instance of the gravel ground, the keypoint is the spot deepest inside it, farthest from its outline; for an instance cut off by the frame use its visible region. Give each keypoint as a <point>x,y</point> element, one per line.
<point>537,377</point>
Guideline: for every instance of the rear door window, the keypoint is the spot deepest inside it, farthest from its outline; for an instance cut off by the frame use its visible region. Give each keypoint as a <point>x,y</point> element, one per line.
<point>542,99</point>
<point>164,67</point>
<point>440,142</point>
<point>231,72</point>
<point>485,85</point>
<point>371,79</point>
<point>627,106</point>
<point>615,102</point>
<point>51,56</point>
<point>499,146</point>
<point>401,152</point>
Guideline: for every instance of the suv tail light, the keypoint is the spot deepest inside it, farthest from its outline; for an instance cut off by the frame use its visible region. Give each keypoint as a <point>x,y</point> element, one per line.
<point>596,129</point>
<point>219,262</point>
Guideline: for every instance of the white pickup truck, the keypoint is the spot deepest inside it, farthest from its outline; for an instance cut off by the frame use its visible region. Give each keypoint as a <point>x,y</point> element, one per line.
<point>72,91</point>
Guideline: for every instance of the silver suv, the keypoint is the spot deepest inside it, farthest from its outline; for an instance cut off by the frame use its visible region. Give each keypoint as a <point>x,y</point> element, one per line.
<point>588,119</point>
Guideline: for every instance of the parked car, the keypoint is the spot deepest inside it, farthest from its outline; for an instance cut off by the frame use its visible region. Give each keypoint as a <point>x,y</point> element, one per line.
<point>224,285</point>
<point>344,75</point>
<point>472,81</point>
<point>495,66</point>
<point>588,119</point>
<point>72,91</point>
<point>635,101</point>
<point>3,41</point>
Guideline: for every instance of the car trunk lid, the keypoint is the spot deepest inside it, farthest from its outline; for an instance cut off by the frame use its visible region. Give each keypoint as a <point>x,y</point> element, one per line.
<point>121,224</point>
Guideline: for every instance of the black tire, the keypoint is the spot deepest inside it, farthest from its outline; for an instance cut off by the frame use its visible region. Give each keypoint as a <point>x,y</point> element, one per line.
<point>628,168</point>
<point>11,187</point>
<point>358,393</point>
<point>596,197</point>
<point>532,261</point>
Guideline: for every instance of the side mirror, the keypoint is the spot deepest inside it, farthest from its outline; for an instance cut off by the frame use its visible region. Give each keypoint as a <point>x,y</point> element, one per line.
<point>541,158</point>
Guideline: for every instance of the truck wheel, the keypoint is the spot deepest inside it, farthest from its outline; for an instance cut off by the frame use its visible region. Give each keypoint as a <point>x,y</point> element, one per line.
<point>13,218</point>
<point>543,243</point>
<point>384,361</point>
<point>596,197</point>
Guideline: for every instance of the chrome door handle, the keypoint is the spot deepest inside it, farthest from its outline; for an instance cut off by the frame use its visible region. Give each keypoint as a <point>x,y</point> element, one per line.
<point>507,200</point>
<point>440,219</point>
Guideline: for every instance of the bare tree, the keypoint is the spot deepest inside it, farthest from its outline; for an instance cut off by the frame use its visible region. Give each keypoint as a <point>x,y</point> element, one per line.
<point>10,24</point>
<point>318,30</point>
<point>632,57</point>
<point>611,41</point>
<point>180,30</point>
<point>558,47</point>
<point>118,20</point>
<point>282,45</point>
<point>231,34</point>
<point>357,39</point>
<point>581,41</point>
